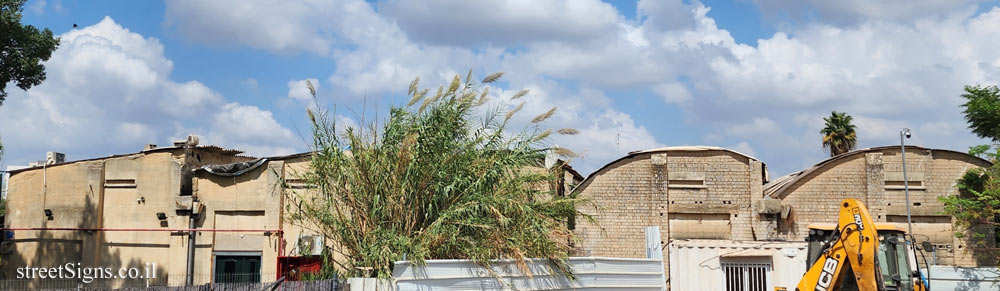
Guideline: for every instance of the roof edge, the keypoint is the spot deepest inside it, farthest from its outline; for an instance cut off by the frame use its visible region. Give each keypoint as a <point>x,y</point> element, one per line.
<point>785,184</point>
<point>663,149</point>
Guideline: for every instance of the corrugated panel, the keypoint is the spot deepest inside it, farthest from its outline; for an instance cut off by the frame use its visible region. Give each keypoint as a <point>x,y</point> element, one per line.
<point>590,272</point>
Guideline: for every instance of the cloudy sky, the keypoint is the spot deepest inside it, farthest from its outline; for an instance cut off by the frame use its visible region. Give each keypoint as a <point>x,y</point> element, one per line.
<point>752,75</point>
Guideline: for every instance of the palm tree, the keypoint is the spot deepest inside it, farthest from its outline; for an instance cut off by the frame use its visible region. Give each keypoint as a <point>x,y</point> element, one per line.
<point>839,136</point>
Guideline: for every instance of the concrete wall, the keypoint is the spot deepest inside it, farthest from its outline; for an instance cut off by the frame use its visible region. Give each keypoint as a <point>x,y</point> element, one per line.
<point>699,262</point>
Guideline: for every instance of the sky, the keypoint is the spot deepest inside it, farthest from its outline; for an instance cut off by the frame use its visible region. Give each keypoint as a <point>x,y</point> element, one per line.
<point>756,76</point>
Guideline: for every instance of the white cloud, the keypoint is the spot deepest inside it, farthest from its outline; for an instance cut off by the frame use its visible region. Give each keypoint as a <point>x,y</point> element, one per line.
<point>38,7</point>
<point>744,147</point>
<point>611,135</point>
<point>299,91</point>
<point>859,11</point>
<point>672,92</point>
<point>252,129</point>
<point>888,67</point>
<point>109,91</point>
<point>504,23</point>
<point>279,26</point>
<point>760,126</point>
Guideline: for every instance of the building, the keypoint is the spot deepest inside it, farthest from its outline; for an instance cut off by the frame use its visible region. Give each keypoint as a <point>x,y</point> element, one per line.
<point>137,211</point>
<point>720,215</point>
<point>875,176</point>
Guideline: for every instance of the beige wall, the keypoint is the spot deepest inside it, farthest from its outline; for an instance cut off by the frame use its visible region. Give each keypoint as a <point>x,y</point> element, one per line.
<point>688,194</point>
<point>875,177</point>
<point>121,192</point>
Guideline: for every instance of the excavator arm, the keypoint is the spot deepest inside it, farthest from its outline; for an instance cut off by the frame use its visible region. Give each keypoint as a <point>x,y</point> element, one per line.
<point>851,256</point>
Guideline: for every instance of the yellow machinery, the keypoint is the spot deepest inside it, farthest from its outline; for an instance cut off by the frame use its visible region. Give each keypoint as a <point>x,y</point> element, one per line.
<point>858,254</point>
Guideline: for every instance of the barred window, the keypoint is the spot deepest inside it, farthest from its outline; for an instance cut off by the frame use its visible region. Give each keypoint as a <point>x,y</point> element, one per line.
<point>747,276</point>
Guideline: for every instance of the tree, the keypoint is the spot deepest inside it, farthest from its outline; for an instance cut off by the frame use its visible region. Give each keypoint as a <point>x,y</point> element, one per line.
<point>442,178</point>
<point>982,111</point>
<point>839,136</point>
<point>976,208</point>
<point>23,48</point>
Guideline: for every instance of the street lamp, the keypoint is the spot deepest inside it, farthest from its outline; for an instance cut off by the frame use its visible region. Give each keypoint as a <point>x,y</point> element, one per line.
<point>906,184</point>
<point>905,133</point>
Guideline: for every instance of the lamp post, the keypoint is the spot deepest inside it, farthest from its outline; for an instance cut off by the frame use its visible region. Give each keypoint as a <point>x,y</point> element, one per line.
<point>905,133</point>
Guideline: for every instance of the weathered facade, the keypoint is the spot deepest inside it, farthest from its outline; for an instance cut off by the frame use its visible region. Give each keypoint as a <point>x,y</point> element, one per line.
<point>714,198</point>
<point>689,192</point>
<point>79,200</point>
<point>239,206</point>
<point>86,205</point>
<point>875,176</point>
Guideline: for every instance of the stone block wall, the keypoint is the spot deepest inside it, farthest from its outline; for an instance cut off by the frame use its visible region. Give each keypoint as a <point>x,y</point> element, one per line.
<point>702,194</point>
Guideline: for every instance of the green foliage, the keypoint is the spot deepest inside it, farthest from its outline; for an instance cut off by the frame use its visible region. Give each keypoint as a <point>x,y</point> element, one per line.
<point>982,111</point>
<point>445,179</point>
<point>977,205</point>
<point>839,134</point>
<point>23,48</point>
<point>976,208</point>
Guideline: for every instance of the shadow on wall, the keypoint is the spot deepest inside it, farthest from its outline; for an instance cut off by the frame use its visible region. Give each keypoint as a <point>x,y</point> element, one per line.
<point>88,248</point>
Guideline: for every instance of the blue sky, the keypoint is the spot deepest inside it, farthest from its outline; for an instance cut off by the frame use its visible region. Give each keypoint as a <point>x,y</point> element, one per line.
<point>753,75</point>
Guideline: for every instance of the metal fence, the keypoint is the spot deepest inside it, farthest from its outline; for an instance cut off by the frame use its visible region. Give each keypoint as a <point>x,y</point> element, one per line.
<point>228,282</point>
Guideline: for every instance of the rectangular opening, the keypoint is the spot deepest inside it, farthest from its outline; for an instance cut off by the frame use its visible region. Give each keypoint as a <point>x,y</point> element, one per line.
<point>237,267</point>
<point>119,183</point>
<point>696,184</point>
<point>894,180</point>
<point>747,275</point>
<point>687,182</point>
<point>898,185</point>
<point>691,180</point>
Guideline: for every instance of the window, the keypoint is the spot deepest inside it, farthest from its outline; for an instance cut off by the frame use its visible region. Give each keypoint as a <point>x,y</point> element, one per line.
<point>237,268</point>
<point>747,276</point>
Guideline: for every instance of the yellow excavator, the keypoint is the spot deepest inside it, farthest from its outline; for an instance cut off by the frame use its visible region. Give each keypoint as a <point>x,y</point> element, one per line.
<point>858,254</point>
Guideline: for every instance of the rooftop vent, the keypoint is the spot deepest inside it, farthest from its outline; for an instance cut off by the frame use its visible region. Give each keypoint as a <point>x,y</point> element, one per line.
<point>148,146</point>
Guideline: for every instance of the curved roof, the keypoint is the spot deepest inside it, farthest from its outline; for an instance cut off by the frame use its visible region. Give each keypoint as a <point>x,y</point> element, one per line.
<point>777,187</point>
<point>663,149</point>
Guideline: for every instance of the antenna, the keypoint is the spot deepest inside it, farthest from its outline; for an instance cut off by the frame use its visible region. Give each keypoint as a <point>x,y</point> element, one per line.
<point>618,142</point>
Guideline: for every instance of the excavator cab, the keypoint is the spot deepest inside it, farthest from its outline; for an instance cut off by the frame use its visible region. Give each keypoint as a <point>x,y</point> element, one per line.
<point>859,254</point>
<point>893,254</point>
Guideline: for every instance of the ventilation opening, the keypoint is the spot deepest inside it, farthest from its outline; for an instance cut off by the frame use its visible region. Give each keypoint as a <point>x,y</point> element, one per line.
<point>119,183</point>
<point>686,184</point>
<point>900,183</point>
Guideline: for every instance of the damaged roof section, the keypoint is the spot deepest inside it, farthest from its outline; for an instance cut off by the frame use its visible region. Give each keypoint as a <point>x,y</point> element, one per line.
<point>205,148</point>
<point>233,169</point>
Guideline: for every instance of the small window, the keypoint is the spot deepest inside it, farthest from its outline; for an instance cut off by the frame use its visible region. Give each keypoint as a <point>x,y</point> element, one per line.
<point>747,276</point>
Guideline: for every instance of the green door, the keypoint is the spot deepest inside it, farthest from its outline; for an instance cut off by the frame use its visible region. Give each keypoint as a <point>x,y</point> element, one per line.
<point>237,269</point>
